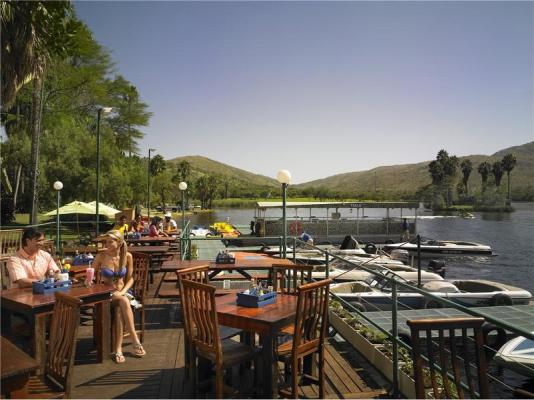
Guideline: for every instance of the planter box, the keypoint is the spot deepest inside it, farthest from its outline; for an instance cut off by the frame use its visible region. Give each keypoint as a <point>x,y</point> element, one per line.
<point>373,354</point>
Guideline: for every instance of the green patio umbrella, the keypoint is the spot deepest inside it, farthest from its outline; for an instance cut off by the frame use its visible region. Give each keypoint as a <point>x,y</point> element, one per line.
<point>104,209</point>
<point>76,207</point>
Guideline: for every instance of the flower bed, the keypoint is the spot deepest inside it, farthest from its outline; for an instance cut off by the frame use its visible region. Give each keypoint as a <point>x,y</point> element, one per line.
<point>375,347</point>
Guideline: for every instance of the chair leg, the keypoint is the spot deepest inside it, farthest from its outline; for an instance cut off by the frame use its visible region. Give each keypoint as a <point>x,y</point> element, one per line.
<point>294,379</point>
<point>142,324</point>
<point>219,372</point>
<point>321,372</point>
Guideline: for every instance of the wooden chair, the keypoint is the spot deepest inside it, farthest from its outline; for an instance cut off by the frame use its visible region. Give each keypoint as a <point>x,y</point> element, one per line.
<point>287,278</point>
<point>197,274</point>
<point>311,322</point>
<point>140,275</point>
<point>57,379</point>
<point>200,311</point>
<point>437,353</point>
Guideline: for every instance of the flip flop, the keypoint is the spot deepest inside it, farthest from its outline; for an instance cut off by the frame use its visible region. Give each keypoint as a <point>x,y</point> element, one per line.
<point>139,351</point>
<point>118,357</point>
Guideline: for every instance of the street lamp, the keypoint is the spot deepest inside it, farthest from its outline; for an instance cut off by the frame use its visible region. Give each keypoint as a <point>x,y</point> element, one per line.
<point>57,187</point>
<point>284,177</point>
<point>148,181</point>
<point>183,187</point>
<point>105,110</point>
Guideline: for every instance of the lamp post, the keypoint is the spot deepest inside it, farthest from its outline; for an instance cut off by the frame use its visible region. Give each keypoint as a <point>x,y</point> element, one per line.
<point>105,110</point>
<point>284,177</point>
<point>148,185</point>
<point>183,187</point>
<point>57,187</point>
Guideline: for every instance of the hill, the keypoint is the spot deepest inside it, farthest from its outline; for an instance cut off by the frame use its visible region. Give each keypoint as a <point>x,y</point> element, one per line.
<point>404,180</point>
<point>236,177</point>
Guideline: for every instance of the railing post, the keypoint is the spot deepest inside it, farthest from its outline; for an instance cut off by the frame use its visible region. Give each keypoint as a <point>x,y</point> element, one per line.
<point>294,250</point>
<point>418,260</point>
<point>189,248</point>
<point>394,332</point>
<point>280,246</point>
<point>327,264</point>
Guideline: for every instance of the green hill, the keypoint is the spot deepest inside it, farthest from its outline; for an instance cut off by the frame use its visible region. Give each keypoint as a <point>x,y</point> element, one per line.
<point>236,177</point>
<point>404,180</point>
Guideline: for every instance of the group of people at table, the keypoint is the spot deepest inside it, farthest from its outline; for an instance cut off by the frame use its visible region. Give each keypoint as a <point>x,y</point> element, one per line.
<point>157,227</point>
<point>114,265</point>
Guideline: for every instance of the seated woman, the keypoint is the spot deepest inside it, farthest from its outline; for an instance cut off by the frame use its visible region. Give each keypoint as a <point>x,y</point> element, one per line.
<point>115,266</point>
<point>155,229</point>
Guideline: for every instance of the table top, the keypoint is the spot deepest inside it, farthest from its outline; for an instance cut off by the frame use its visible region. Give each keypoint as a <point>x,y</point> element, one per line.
<point>25,300</point>
<point>269,318</point>
<point>152,239</point>
<point>245,261</point>
<point>15,361</point>
<point>149,249</point>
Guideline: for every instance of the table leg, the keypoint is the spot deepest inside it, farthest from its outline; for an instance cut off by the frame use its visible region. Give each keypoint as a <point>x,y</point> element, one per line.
<point>39,340</point>
<point>103,331</point>
<point>6,322</point>
<point>214,274</point>
<point>270,387</point>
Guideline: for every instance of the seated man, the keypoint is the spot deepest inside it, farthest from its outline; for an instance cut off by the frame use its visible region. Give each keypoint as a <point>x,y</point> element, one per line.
<point>30,263</point>
<point>122,226</point>
<point>169,224</point>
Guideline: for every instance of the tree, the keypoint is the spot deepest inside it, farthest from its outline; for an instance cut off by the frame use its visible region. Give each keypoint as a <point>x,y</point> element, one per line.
<point>32,32</point>
<point>466,167</point>
<point>183,170</point>
<point>497,172</point>
<point>157,165</point>
<point>484,169</point>
<point>443,171</point>
<point>508,164</point>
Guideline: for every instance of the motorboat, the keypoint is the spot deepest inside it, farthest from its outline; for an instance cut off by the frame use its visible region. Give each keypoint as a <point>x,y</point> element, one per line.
<point>433,248</point>
<point>517,355</point>
<point>375,292</point>
<point>340,272</point>
<point>201,231</point>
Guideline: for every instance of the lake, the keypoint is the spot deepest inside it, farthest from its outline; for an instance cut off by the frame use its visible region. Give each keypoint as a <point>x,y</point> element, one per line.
<point>511,235</point>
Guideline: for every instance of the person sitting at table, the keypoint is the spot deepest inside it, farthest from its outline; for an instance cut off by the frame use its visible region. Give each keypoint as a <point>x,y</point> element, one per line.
<point>30,263</point>
<point>169,224</point>
<point>115,266</point>
<point>137,224</point>
<point>122,226</point>
<point>154,230</point>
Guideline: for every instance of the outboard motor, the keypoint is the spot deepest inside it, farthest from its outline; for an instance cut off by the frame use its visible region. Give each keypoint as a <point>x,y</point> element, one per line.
<point>370,248</point>
<point>437,266</point>
<point>349,243</point>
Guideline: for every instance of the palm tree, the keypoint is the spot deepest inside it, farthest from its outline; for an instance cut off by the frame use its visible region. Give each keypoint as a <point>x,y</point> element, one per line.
<point>497,172</point>
<point>484,170</point>
<point>184,170</point>
<point>157,165</point>
<point>466,167</point>
<point>508,164</point>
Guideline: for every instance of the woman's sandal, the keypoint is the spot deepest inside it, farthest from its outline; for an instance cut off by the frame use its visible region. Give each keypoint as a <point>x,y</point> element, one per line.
<point>139,351</point>
<point>118,358</point>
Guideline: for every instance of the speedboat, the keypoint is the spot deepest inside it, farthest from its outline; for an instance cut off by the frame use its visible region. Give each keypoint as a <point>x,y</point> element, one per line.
<point>432,248</point>
<point>375,292</point>
<point>201,231</point>
<point>517,355</point>
<point>340,272</point>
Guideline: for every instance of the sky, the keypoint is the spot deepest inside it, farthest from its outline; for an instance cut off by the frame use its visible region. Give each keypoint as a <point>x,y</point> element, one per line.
<point>322,88</point>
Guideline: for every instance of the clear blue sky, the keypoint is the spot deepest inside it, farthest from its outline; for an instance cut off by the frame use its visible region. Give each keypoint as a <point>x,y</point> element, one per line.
<point>321,88</point>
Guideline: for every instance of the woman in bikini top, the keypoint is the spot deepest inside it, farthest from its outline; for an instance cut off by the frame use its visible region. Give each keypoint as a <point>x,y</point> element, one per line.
<point>115,266</point>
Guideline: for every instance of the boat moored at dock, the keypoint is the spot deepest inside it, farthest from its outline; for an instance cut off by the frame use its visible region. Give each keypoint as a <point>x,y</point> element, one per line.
<point>433,248</point>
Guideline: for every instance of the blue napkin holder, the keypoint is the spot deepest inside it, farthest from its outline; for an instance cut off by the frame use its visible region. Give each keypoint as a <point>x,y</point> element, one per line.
<point>43,287</point>
<point>247,300</point>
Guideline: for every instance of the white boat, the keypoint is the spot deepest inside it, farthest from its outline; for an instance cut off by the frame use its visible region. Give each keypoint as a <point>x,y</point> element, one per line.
<point>375,293</point>
<point>517,355</point>
<point>433,248</point>
<point>347,273</point>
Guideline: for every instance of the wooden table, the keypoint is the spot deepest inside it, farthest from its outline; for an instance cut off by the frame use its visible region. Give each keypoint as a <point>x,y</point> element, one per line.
<point>267,321</point>
<point>151,250</point>
<point>17,366</point>
<point>242,264</point>
<point>38,306</point>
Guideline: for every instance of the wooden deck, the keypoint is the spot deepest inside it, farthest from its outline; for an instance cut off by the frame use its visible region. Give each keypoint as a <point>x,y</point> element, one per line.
<point>160,373</point>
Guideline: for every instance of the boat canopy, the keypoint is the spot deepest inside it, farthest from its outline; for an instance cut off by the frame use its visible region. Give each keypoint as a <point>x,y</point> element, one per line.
<point>337,204</point>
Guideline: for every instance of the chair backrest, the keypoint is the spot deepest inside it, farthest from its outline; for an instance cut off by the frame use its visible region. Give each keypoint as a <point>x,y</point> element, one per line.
<point>62,343</point>
<point>456,357</point>
<point>287,278</point>
<point>140,275</point>
<point>198,300</point>
<point>311,319</point>
<point>196,274</point>
<point>10,242</point>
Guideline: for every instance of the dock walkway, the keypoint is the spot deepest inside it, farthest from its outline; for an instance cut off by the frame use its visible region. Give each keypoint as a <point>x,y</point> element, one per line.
<point>160,373</point>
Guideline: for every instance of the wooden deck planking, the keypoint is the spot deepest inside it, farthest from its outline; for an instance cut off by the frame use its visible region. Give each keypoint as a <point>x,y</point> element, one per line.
<point>160,374</point>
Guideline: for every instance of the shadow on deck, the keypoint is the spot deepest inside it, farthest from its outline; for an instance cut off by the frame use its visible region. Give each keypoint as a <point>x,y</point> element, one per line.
<point>160,373</point>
